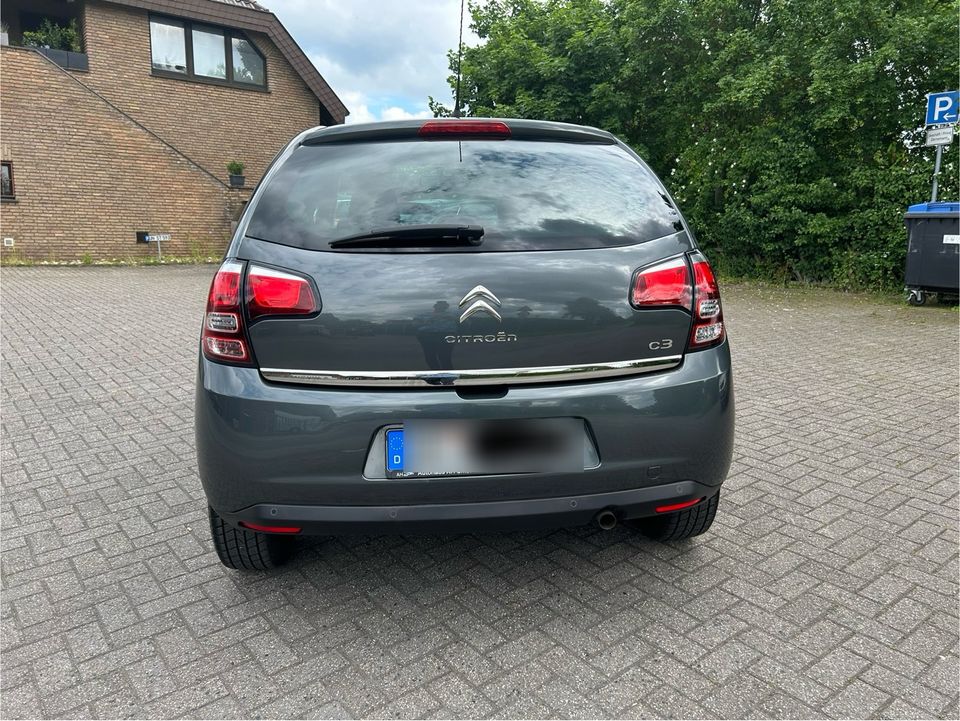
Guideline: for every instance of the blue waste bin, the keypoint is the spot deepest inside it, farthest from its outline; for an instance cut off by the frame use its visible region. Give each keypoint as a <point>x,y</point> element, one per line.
<point>933,251</point>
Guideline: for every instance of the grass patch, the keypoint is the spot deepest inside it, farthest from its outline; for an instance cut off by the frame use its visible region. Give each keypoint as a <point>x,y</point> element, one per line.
<point>888,296</point>
<point>86,260</point>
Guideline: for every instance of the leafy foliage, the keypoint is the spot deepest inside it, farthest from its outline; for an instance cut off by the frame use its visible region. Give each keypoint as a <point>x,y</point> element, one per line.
<point>789,131</point>
<point>53,36</point>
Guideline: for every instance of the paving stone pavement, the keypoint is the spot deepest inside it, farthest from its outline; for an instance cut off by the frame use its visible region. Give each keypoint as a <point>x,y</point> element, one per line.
<point>827,586</point>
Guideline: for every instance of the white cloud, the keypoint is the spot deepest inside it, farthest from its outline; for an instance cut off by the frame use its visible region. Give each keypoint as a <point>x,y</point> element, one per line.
<point>396,113</point>
<point>360,114</point>
<point>382,57</point>
<point>360,111</point>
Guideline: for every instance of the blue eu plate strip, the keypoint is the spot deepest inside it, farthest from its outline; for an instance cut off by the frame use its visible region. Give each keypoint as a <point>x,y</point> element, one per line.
<point>395,450</point>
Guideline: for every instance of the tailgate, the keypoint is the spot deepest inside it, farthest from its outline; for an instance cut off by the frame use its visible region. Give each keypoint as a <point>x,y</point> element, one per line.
<point>520,313</point>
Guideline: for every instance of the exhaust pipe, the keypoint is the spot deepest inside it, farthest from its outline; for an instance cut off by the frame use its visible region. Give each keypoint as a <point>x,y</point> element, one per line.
<point>606,520</point>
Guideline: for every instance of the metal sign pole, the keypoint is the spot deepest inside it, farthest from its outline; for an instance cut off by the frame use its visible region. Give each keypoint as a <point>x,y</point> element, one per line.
<point>936,172</point>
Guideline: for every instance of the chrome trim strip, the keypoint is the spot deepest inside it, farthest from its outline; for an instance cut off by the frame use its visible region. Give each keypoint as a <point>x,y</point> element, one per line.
<point>487,376</point>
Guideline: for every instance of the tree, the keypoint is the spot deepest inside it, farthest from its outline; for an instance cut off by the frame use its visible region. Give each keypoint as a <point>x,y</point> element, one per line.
<point>788,130</point>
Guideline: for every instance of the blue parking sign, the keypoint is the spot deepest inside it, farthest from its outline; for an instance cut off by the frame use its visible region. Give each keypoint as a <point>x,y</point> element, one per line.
<point>942,108</point>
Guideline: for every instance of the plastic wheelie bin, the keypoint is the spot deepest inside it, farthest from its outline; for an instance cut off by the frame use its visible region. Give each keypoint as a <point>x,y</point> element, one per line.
<point>933,251</point>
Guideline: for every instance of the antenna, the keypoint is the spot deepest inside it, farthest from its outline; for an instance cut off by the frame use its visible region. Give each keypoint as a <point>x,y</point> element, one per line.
<point>456,102</point>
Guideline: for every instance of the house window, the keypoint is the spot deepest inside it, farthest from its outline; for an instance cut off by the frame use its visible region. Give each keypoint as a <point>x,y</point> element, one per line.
<point>180,48</point>
<point>6,180</point>
<point>168,46</point>
<point>247,62</point>
<point>209,53</point>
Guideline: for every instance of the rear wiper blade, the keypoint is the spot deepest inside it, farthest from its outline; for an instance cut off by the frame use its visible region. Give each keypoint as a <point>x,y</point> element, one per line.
<point>414,236</point>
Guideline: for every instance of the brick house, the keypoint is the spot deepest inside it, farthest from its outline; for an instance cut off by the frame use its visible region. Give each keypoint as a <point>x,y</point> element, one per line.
<point>130,130</point>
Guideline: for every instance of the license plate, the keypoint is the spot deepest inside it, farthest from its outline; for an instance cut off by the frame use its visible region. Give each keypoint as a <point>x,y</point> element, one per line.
<point>455,448</point>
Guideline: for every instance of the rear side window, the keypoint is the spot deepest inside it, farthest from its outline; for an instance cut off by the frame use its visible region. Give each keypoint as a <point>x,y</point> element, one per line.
<point>527,195</point>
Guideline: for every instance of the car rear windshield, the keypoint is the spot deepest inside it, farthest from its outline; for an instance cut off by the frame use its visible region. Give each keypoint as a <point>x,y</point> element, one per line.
<point>527,195</point>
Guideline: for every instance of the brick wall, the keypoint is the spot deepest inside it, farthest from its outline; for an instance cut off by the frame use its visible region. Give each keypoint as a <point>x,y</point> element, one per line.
<point>86,178</point>
<point>210,124</point>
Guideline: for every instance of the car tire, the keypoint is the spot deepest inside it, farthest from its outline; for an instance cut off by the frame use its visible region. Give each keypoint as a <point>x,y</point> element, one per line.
<point>682,524</point>
<point>245,550</point>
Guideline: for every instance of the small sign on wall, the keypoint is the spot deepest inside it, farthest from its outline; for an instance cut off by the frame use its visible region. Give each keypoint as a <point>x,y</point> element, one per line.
<point>146,237</point>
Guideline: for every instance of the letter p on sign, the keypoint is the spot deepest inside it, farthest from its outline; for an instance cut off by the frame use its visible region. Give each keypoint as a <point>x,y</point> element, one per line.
<point>942,108</point>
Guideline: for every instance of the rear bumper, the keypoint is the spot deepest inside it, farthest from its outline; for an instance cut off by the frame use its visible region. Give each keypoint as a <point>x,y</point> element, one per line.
<point>460,517</point>
<point>263,445</point>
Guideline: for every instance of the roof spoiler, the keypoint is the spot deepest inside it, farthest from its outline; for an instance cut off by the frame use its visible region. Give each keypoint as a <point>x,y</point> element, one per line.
<point>410,130</point>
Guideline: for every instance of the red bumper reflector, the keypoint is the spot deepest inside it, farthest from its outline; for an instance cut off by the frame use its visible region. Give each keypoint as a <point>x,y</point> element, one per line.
<point>270,529</point>
<point>677,506</point>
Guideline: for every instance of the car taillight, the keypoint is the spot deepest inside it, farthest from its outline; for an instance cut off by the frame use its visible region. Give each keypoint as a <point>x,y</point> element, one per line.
<point>707,311</point>
<point>267,292</point>
<point>274,292</point>
<point>222,338</point>
<point>664,284</point>
<point>460,129</point>
<point>669,284</point>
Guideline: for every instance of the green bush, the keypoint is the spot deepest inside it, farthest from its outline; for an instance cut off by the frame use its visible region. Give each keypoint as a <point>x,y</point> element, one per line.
<point>53,36</point>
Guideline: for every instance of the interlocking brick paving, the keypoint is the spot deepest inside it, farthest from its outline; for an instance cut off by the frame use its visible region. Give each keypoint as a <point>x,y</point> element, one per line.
<point>827,586</point>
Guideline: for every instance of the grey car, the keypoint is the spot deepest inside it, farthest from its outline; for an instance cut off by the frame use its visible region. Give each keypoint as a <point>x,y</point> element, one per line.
<point>447,325</point>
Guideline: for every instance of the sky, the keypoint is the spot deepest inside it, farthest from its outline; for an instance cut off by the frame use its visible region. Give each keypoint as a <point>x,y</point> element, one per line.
<point>382,57</point>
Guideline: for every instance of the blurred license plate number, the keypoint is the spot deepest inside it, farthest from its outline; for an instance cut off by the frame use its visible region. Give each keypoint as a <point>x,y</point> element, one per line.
<point>457,448</point>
